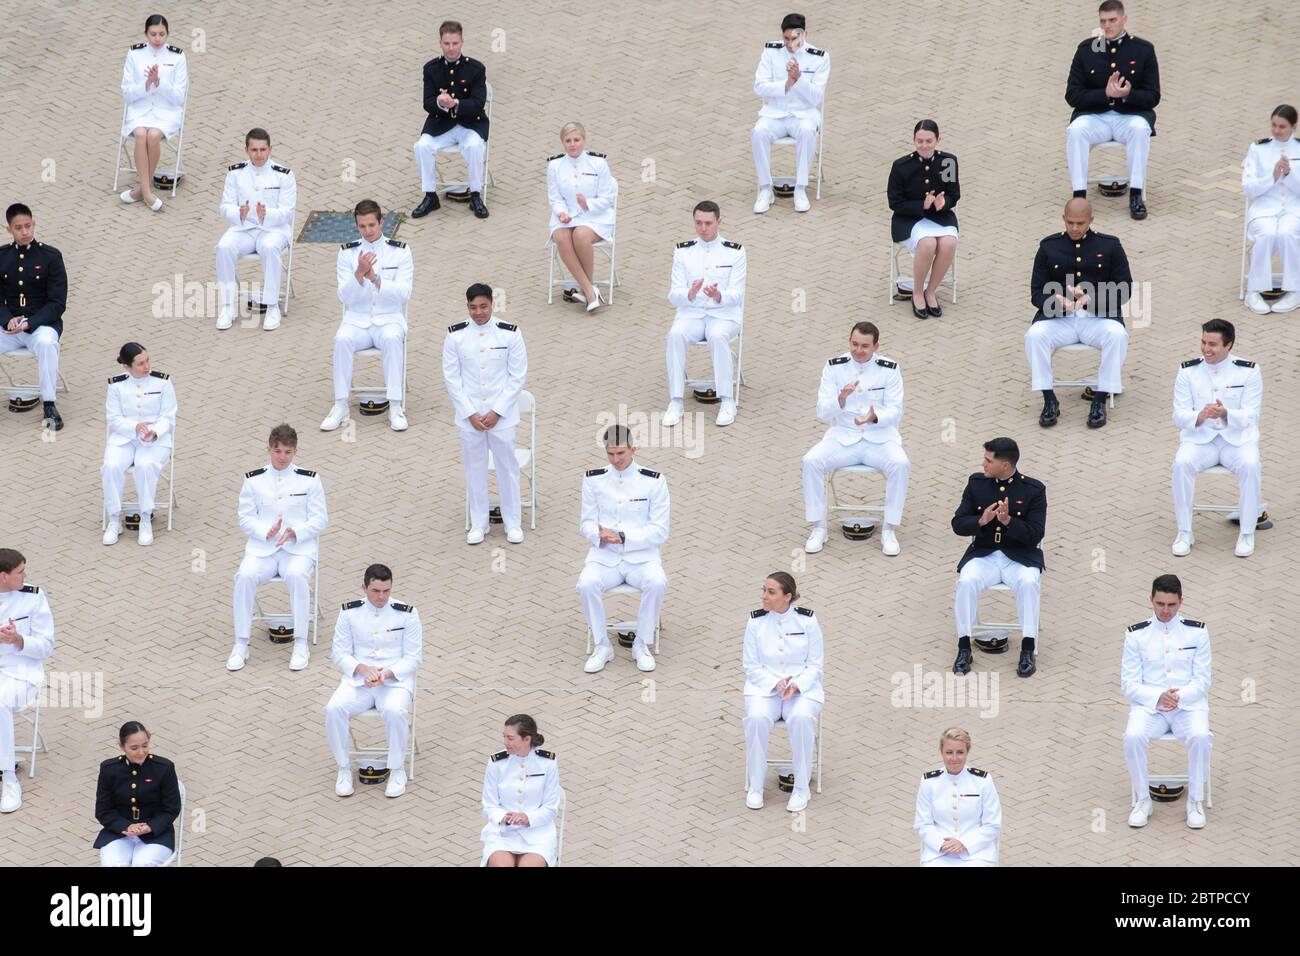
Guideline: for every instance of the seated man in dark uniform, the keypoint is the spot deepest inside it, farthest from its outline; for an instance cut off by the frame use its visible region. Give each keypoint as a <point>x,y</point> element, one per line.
<point>35,294</point>
<point>1005,513</point>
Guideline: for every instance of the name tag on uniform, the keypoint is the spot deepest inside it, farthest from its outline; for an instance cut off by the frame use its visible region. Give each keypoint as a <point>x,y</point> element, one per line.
<point>630,500</point>
<point>597,175</point>
<point>389,630</point>
<point>497,348</point>
<point>298,494</point>
<point>535,775</point>
<point>269,188</point>
<point>153,393</point>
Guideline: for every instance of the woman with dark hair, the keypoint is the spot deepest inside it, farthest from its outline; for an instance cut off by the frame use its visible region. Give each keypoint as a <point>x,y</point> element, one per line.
<point>783,681</point>
<point>958,814</point>
<point>137,800</point>
<point>155,82</point>
<point>521,798</point>
<point>141,411</point>
<point>1273,218</point>
<point>923,191</point>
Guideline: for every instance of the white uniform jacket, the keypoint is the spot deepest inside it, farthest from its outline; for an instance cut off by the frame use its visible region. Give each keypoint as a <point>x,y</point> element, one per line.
<point>963,805</point>
<point>880,386</point>
<point>134,400</point>
<point>162,106</point>
<point>483,367</point>
<point>32,619</point>
<point>718,262</point>
<point>589,174</point>
<point>363,304</point>
<point>528,785</point>
<point>295,495</point>
<point>389,637</point>
<point>804,99</point>
<point>635,502</point>
<point>784,645</point>
<point>1269,198</point>
<point>1237,383</point>
<point>270,184</point>
<point>1160,656</point>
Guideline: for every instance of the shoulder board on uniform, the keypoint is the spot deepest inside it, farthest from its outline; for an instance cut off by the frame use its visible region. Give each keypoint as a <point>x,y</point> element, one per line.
<point>551,159</point>
<point>1190,362</point>
<point>1139,625</point>
<point>686,245</point>
<point>157,374</point>
<point>118,378</point>
<point>978,773</point>
<point>814,51</point>
<point>596,471</point>
<point>730,245</point>
<point>233,166</point>
<point>304,472</point>
<point>1266,139</point>
<point>805,611</point>
<point>1243,363</point>
<point>1190,623</point>
<point>138,46</point>
<point>457,327</point>
<point>838,360</point>
<point>35,589</point>
<point>397,242</point>
<point>399,606</point>
<point>499,755</point>
<point>254,473</point>
<point>507,326</point>
<point>931,774</point>
<point>759,613</point>
<point>886,363</point>
<point>773,45</point>
<point>280,169</point>
<point>349,605</point>
<point>175,49</point>
<point>111,761</point>
<point>648,473</point>
<point>600,155</point>
<point>548,755</point>
<point>351,245</point>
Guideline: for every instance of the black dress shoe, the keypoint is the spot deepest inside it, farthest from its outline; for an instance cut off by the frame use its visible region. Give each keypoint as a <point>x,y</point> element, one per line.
<point>1097,413</point>
<point>1051,412</point>
<point>921,313</point>
<point>1136,207</point>
<point>934,310</point>
<point>1026,667</point>
<point>427,205</point>
<point>476,205</point>
<point>1081,194</point>
<point>53,419</point>
<point>962,664</point>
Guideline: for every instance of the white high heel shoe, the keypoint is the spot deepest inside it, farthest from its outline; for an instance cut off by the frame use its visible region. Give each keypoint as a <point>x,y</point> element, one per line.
<point>593,306</point>
<point>127,198</point>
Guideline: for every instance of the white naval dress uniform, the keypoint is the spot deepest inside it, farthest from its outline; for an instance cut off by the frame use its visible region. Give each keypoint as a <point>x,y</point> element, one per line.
<point>274,187</point>
<point>702,319</point>
<point>389,637</point>
<point>796,113</point>
<point>22,672</point>
<point>1158,657</point>
<point>964,805</point>
<point>1273,218</point>
<point>634,501</point>
<point>373,318</point>
<point>587,173</point>
<point>776,646</point>
<point>876,444</point>
<point>162,106</point>
<point>131,400</point>
<point>483,366</point>
<point>296,498</point>
<point>529,785</point>
<point>1238,384</point>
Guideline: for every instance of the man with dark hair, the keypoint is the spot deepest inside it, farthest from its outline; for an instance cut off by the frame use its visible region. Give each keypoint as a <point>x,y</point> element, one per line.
<point>625,512</point>
<point>1165,674</point>
<point>26,640</point>
<point>1114,87</point>
<point>1216,407</point>
<point>708,289</point>
<point>282,514</point>
<point>791,80</point>
<point>484,364</point>
<point>35,290</point>
<point>1005,514</point>
<point>861,398</point>
<point>374,277</point>
<point>378,646</point>
<point>455,97</point>
<point>258,202</point>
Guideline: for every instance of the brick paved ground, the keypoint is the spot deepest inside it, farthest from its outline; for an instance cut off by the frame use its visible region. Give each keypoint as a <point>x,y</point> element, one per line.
<point>653,768</point>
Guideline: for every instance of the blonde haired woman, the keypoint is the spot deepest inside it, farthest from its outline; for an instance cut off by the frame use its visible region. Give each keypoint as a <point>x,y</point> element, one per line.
<point>958,814</point>
<point>582,192</point>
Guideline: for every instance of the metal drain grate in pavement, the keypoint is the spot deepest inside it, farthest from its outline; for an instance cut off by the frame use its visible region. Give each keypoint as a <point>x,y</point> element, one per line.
<point>339,227</point>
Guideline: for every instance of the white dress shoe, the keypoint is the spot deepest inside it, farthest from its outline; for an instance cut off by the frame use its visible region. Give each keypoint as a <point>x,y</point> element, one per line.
<point>396,417</point>
<point>1288,302</point>
<point>396,784</point>
<point>11,795</point>
<point>225,319</point>
<point>238,656</point>
<point>343,782</point>
<point>1138,818</point>
<point>474,536</point>
<point>337,416</point>
<point>515,535</point>
<point>754,799</point>
<point>602,655</point>
<point>114,530</point>
<point>1255,302</point>
<point>1245,545</point>
<point>593,306</point>
<point>816,541</point>
<point>157,204</point>
<point>645,661</point>
<point>801,203</point>
<point>889,543</point>
<point>1183,544</point>
<point>272,320</point>
<point>1195,814</point>
<point>146,531</point>
<point>673,415</point>
<point>798,801</point>
<point>727,413</point>
<point>127,198</point>
<point>301,655</point>
<point>764,201</point>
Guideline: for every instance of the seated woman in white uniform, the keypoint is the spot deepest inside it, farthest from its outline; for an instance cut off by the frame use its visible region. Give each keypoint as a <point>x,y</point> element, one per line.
<point>1273,219</point>
<point>155,82</point>
<point>783,661</point>
<point>521,798</point>
<point>958,814</point>
<point>581,191</point>
<point>141,411</point>
<point>923,193</point>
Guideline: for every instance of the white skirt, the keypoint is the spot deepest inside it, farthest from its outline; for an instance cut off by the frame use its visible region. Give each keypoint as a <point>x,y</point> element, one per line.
<point>512,840</point>
<point>169,122</point>
<point>603,229</point>
<point>926,229</point>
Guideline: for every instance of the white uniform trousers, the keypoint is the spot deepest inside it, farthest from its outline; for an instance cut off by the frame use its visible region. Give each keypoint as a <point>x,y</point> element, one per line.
<point>1191,727</point>
<point>828,454</point>
<point>44,344</point>
<point>15,696</point>
<point>718,333</point>
<point>768,130</point>
<point>800,716</point>
<point>1241,460</point>
<point>1093,128</point>
<point>1270,234</point>
<point>474,447</point>
<point>1045,336</point>
<point>596,579</point>
<point>147,458</point>
<point>351,339</point>
<point>472,146</point>
<point>393,702</point>
<point>294,568</point>
<point>269,247</point>
<point>979,574</point>
<point>132,851</point>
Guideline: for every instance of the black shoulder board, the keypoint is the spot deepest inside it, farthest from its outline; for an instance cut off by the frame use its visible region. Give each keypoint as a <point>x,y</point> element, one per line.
<point>34,589</point>
<point>118,378</point>
<point>1243,363</point>
<point>545,753</point>
<point>595,471</point>
<point>815,52</point>
<point>590,153</point>
<point>254,473</point>
<point>838,360</point>
<point>235,166</point>
<point>805,611</point>
<point>1138,626</point>
<point>399,606</point>
<point>397,242</point>
<point>885,363</point>
<point>930,774</point>
<point>1190,362</point>
<point>773,45</point>
<point>280,169</point>
<point>457,327</point>
<point>648,473</point>
<point>157,374</point>
<point>305,472</point>
<point>686,245</point>
<point>507,326</point>
<point>500,755</point>
<point>175,49</point>
<point>551,159</point>
<point>759,613</point>
<point>349,605</point>
<point>1266,139</point>
<point>978,773</point>
<point>1190,623</point>
<point>730,245</point>
<point>351,245</point>
<point>138,46</point>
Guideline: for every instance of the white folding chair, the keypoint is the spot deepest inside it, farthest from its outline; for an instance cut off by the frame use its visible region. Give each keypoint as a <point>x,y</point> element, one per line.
<point>623,589</point>
<point>560,816</point>
<point>898,279</point>
<point>1232,511</point>
<point>380,391</point>
<point>38,739</point>
<point>1080,382</point>
<point>19,389</point>
<point>817,755</point>
<point>134,505</point>
<point>285,618</point>
<point>527,459</point>
<point>834,505</point>
<point>286,284</point>
<point>455,185</point>
<point>788,181</point>
<point>412,744</point>
<point>737,363</point>
<point>1118,180</point>
<point>175,858</point>
<point>1246,244</point>
<point>175,171</point>
<point>556,272</point>
<point>1175,779</point>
